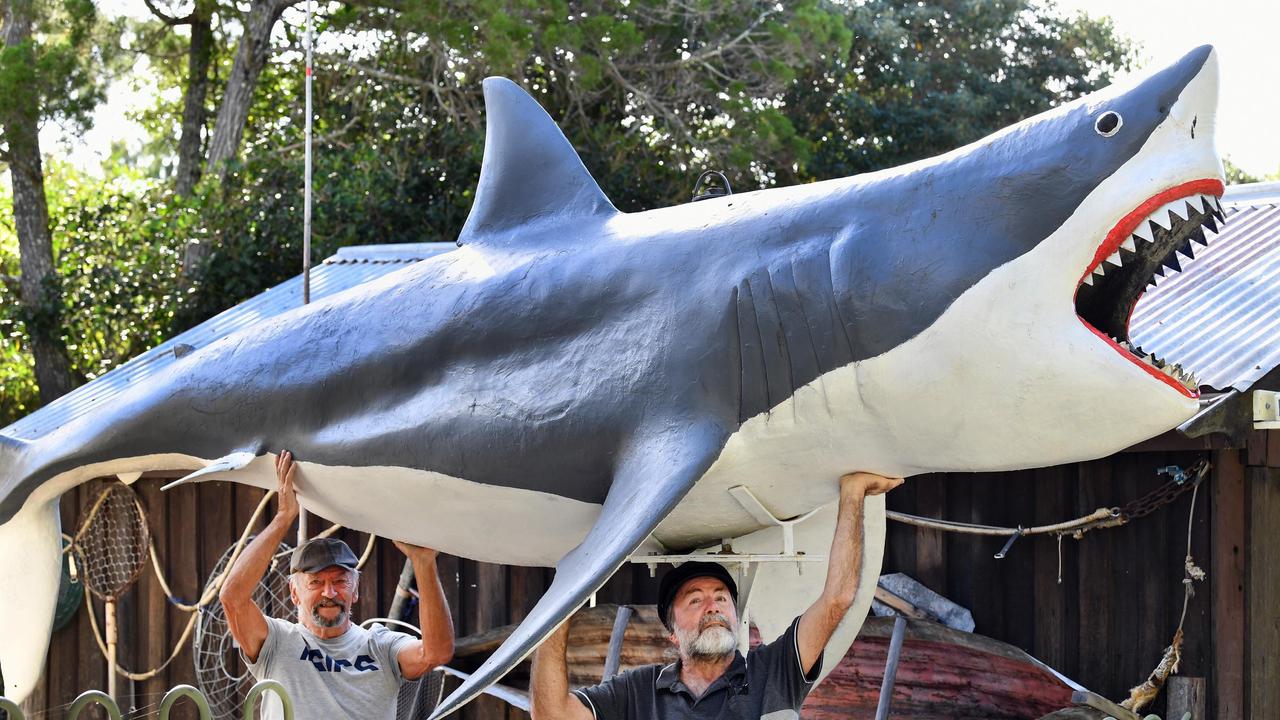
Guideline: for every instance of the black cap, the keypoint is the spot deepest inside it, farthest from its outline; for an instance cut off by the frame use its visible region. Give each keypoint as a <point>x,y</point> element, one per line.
<point>677,576</point>
<point>321,553</point>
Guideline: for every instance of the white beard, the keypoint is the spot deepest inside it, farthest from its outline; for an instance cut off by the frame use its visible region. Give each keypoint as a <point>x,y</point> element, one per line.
<point>712,642</point>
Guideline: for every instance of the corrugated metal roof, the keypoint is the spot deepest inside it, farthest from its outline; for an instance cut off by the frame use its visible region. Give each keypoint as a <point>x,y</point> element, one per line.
<point>1220,316</point>
<point>351,266</point>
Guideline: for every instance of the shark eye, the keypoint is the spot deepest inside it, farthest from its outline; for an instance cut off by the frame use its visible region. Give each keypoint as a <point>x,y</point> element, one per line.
<point>1108,123</point>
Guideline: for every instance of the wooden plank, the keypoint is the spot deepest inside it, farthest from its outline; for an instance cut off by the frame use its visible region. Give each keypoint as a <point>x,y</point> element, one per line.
<point>1097,666</point>
<point>1227,583</point>
<point>931,549</point>
<point>1186,695</point>
<point>182,567</point>
<point>1273,448</point>
<point>1257,448</point>
<point>1263,572</point>
<point>154,616</point>
<point>1052,505</point>
<point>1150,570</point>
<point>1017,569</point>
<point>900,539</point>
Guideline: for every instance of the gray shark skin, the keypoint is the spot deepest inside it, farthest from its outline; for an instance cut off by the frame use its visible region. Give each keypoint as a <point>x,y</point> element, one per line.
<point>571,353</point>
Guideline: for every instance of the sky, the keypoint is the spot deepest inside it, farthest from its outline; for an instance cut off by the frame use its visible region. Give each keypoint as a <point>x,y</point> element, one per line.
<point>1244,32</point>
<point>1245,35</point>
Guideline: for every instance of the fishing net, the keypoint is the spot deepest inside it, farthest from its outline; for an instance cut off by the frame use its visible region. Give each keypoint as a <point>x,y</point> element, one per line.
<point>113,542</point>
<point>419,698</point>
<point>220,672</point>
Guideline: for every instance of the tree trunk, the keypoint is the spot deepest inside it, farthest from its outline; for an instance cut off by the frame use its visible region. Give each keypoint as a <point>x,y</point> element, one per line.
<point>39,289</point>
<point>190,151</point>
<point>251,56</point>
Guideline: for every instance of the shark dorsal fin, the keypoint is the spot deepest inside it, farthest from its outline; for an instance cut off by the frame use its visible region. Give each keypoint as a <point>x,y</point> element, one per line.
<point>530,171</point>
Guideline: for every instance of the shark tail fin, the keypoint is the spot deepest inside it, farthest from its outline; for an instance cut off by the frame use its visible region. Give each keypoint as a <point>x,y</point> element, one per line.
<point>530,171</point>
<point>30,559</point>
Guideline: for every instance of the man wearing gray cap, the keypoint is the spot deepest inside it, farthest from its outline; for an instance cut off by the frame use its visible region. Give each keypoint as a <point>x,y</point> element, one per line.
<point>330,667</point>
<point>712,680</point>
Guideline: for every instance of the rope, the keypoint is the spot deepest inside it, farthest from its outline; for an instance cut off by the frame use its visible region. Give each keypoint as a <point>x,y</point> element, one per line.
<point>1168,665</point>
<point>1100,518</point>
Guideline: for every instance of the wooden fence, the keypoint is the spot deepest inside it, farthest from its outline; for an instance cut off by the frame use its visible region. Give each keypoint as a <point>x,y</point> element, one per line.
<point>1101,612</point>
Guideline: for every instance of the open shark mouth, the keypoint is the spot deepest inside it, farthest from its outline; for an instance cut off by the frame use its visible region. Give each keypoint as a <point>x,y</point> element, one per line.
<point>1148,240</point>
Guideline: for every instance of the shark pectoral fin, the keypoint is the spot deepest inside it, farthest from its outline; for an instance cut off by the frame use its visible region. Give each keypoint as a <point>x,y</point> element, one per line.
<point>654,475</point>
<point>227,463</point>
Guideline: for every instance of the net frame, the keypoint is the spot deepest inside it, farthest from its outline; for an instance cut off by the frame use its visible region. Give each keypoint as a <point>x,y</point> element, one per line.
<point>220,673</point>
<point>113,542</point>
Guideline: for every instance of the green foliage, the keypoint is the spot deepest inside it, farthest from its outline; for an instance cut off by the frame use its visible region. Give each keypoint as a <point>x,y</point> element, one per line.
<point>59,69</point>
<point>922,79</point>
<point>116,244</point>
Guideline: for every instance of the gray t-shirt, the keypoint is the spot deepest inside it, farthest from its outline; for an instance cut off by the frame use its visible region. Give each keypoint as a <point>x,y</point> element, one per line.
<point>768,684</point>
<point>355,675</point>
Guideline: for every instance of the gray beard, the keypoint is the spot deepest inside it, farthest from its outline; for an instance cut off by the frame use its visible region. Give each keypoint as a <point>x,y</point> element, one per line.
<point>324,622</point>
<point>708,643</point>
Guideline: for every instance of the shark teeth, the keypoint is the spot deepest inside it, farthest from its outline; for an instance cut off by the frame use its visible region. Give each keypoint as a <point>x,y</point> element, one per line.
<point>1166,217</point>
<point>1185,378</point>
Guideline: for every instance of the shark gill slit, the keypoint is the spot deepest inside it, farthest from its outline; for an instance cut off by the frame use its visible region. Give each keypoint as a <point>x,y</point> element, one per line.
<point>754,391</point>
<point>807,329</point>
<point>780,338</point>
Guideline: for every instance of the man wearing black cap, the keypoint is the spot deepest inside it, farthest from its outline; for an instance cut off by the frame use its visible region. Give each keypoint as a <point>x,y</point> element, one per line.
<point>330,667</point>
<point>697,603</point>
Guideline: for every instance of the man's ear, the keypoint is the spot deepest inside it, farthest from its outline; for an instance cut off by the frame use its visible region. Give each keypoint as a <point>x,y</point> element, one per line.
<point>293,591</point>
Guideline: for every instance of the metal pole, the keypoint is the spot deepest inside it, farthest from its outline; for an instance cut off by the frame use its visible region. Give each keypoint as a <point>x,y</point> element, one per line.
<point>306,223</point>
<point>306,202</point>
<point>613,660</point>
<point>400,603</point>
<point>891,667</point>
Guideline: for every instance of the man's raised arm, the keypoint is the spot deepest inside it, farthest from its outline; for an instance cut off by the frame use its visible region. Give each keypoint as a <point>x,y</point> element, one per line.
<point>844,566</point>
<point>549,696</point>
<point>436,646</point>
<point>244,617</point>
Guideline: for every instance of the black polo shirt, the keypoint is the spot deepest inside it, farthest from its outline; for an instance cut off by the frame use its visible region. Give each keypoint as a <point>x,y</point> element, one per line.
<point>768,684</point>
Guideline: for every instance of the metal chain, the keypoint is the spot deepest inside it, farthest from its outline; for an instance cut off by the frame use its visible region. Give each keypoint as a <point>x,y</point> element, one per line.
<point>1166,494</point>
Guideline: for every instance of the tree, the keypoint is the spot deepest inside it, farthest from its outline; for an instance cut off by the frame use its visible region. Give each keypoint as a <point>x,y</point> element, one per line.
<point>44,73</point>
<point>195,95</point>
<point>924,78</point>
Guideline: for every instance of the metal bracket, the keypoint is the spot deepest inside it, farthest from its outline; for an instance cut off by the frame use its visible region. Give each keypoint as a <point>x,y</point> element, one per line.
<point>1012,539</point>
<point>757,510</point>
<point>1266,410</point>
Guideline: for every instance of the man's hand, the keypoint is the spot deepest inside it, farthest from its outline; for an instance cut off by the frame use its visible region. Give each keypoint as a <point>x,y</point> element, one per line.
<point>286,471</point>
<point>869,483</point>
<point>416,552</point>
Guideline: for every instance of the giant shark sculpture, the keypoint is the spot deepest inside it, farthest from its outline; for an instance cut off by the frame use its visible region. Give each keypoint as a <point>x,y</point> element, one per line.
<point>575,381</point>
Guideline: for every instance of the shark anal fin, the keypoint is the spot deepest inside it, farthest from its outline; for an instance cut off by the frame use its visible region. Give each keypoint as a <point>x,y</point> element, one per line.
<point>530,171</point>
<point>652,478</point>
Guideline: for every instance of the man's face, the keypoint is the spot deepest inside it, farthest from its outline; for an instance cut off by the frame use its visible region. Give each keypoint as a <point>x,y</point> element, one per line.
<point>704,620</point>
<point>324,598</point>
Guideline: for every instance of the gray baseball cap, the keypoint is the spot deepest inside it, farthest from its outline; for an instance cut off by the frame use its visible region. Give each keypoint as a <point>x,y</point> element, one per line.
<point>321,553</point>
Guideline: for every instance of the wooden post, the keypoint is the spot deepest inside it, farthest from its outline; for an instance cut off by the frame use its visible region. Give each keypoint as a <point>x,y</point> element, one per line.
<point>1186,695</point>
<point>1263,572</point>
<point>1228,550</point>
